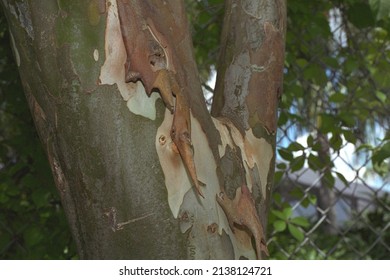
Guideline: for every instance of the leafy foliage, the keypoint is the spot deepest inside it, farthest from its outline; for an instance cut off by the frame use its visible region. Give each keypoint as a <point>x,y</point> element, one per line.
<point>335,89</point>
<point>336,94</point>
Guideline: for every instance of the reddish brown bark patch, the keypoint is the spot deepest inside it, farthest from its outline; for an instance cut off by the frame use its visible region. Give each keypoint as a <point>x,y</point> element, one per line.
<point>267,78</point>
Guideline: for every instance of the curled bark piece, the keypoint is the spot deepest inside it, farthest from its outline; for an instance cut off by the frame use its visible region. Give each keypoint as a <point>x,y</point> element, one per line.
<point>146,54</point>
<point>181,137</point>
<point>242,211</point>
<point>167,85</point>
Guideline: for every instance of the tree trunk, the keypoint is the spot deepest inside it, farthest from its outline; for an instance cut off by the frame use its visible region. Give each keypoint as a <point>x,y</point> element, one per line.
<point>142,177</point>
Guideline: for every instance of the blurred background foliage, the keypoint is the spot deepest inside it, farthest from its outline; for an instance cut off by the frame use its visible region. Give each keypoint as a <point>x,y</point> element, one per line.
<point>336,96</point>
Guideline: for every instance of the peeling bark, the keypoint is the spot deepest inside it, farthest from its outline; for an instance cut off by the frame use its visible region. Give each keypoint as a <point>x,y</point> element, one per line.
<point>151,59</point>
<point>242,212</point>
<point>248,87</point>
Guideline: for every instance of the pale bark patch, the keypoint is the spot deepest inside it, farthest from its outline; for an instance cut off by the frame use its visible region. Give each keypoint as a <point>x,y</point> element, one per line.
<point>113,70</point>
<point>96,55</point>
<point>256,152</point>
<point>177,180</point>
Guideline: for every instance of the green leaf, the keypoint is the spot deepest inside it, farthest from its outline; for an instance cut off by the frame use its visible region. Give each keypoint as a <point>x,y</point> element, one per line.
<point>279,225</point>
<point>381,96</point>
<point>295,146</point>
<point>287,212</point>
<point>313,199</point>
<point>331,61</point>
<point>349,136</point>
<point>336,141</point>
<point>296,232</point>
<point>338,97</point>
<point>361,15</point>
<point>347,119</point>
<point>365,146</point>
<point>328,123</point>
<point>297,192</point>
<point>296,90</point>
<point>286,154</point>
<point>281,166</point>
<point>305,203</point>
<point>301,62</point>
<point>298,163</point>
<point>315,73</point>
<point>314,162</point>
<point>310,140</point>
<point>380,155</point>
<point>300,221</point>
<point>278,214</point>
<point>282,119</point>
<point>342,178</point>
<point>329,179</point>
<point>309,200</point>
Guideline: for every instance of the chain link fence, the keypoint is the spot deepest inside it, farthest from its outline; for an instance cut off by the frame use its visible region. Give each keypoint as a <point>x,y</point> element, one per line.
<point>332,188</point>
